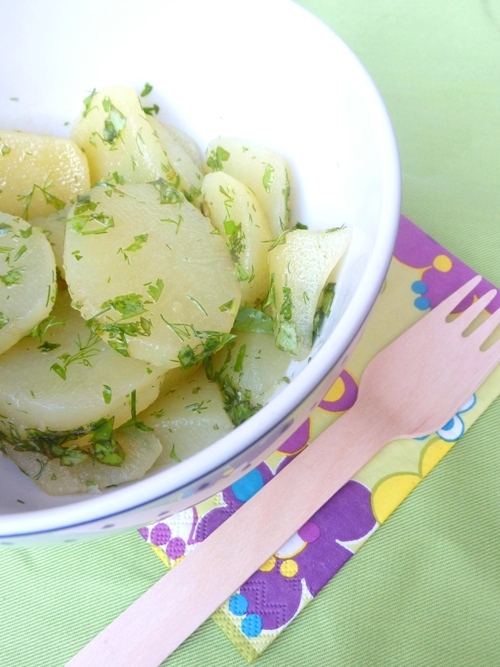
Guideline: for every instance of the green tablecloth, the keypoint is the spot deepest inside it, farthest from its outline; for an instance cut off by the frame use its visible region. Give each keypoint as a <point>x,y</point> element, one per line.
<point>425,589</point>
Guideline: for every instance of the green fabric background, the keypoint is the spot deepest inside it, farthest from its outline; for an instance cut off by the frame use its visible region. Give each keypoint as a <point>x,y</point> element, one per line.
<point>425,590</point>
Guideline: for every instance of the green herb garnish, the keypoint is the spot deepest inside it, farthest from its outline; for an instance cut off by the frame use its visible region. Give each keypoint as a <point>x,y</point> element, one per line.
<point>285,331</point>
<point>217,157</point>
<point>146,90</point>
<point>252,320</point>
<point>114,123</point>
<point>324,308</point>
<point>85,351</point>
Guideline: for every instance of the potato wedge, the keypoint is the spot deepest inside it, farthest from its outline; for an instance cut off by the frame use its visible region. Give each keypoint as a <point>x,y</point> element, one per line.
<point>299,269</point>
<point>148,267</point>
<point>236,213</point>
<point>27,279</point>
<point>262,170</point>
<point>39,174</point>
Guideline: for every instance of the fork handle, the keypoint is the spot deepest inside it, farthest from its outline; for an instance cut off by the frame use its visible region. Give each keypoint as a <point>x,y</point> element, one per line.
<point>170,611</point>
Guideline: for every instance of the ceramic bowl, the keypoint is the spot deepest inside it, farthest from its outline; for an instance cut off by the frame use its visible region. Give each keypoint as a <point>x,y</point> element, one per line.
<point>266,71</point>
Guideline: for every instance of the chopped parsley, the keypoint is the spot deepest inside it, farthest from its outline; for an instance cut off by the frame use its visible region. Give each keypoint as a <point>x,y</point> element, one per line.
<point>3,320</point>
<point>12,277</point>
<point>168,194</point>
<point>128,305</point>
<point>155,291</point>
<point>78,223</point>
<point>113,124</point>
<point>324,308</point>
<point>87,103</point>
<point>217,157</point>
<point>229,305</point>
<point>285,331</point>
<point>139,241</point>
<point>238,364</point>
<point>133,421</point>
<point>107,394</point>
<point>54,444</point>
<point>152,110</point>
<point>238,402</point>
<point>252,320</point>
<point>268,177</point>
<point>146,90</point>
<point>173,455</point>
<point>210,343</point>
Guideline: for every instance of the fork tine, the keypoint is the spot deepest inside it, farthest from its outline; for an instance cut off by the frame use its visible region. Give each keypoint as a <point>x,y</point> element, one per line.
<point>447,305</point>
<point>480,335</point>
<point>470,314</point>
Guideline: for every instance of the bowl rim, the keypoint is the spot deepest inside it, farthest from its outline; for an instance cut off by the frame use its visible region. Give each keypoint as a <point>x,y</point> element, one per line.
<point>163,483</point>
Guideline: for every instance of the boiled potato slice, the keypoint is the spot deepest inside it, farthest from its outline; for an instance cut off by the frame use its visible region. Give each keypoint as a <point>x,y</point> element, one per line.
<point>236,213</point>
<point>123,145</point>
<point>53,227</point>
<point>187,143</point>
<point>262,170</point>
<point>182,173</point>
<point>248,371</point>
<point>27,279</point>
<point>140,448</point>
<point>63,388</point>
<point>118,139</point>
<point>299,269</point>
<point>188,418</point>
<point>146,264</point>
<point>39,174</point>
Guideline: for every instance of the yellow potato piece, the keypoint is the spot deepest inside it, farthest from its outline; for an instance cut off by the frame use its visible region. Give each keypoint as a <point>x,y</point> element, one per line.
<point>141,450</point>
<point>253,365</point>
<point>147,265</point>
<point>182,172</point>
<point>39,174</point>
<point>188,418</point>
<point>188,144</point>
<point>262,170</point>
<point>299,269</point>
<point>64,378</point>
<point>236,213</point>
<point>118,139</point>
<point>53,227</point>
<point>27,279</point>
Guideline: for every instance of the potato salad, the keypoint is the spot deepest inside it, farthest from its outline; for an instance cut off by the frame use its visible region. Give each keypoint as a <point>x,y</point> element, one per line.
<point>151,300</point>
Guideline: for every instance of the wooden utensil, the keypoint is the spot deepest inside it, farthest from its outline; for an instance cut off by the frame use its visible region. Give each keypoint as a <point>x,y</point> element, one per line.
<point>410,389</point>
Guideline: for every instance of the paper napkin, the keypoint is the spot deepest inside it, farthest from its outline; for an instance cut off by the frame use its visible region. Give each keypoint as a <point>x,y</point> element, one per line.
<point>421,274</point>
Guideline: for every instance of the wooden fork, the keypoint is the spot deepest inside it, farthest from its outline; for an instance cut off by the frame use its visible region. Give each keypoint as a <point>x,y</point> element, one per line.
<point>410,389</point>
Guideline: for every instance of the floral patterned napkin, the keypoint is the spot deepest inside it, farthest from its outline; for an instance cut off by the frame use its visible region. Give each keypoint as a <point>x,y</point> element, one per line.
<point>422,273</point>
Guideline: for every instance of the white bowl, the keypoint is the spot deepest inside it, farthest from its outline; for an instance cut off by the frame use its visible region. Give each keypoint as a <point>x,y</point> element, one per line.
<point>266,71</point>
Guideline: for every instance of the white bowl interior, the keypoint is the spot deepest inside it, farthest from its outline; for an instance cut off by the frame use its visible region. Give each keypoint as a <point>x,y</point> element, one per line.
<point>265,71</point>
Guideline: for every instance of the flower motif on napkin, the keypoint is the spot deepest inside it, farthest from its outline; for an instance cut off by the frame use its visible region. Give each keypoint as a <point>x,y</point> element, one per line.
<point>390,491</point>
<point>342,395</point>
<point>434,263</point>
<point>273,596</point>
